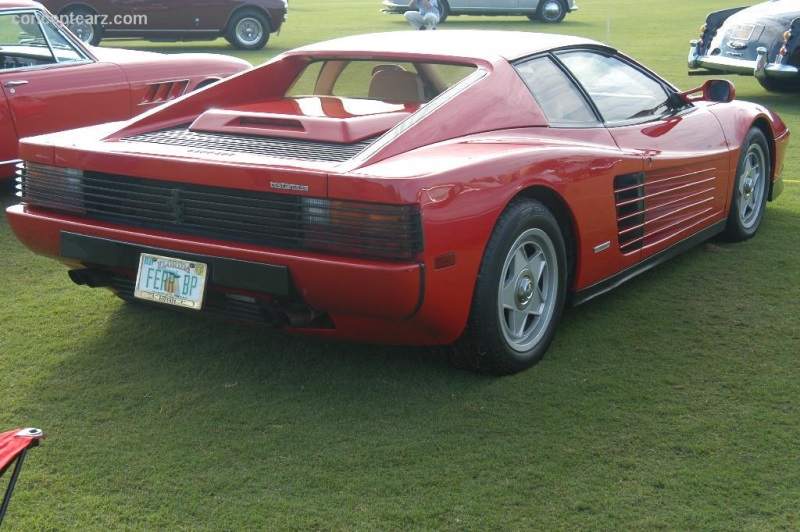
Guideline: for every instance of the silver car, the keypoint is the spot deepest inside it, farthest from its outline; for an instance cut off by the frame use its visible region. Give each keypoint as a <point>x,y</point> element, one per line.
<point>542,10</point>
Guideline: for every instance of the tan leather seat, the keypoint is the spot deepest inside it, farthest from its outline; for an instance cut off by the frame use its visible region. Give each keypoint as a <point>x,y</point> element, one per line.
<point>396,86</point>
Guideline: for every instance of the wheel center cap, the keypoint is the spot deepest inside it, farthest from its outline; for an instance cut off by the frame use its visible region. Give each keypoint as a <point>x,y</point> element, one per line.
<point>748,187</point>
<point>524,291</point>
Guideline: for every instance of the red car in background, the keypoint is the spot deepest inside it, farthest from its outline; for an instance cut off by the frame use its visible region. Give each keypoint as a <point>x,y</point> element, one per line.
<point>50,80</point>
<point>246,24</point>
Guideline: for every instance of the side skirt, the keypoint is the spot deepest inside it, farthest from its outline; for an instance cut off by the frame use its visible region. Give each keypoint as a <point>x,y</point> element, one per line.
<point>584,295</point>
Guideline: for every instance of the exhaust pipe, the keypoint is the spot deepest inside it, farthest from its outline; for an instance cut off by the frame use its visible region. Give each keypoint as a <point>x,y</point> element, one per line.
<point>91,277</point>
<point>296,315</point>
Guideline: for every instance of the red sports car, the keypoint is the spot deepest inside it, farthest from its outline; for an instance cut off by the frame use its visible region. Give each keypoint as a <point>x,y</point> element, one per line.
<point>458,188</point>
<point>50,81</point>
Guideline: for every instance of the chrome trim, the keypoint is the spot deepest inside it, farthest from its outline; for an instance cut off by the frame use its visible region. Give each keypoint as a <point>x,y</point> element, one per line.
<point>602,247</point>
<point>744,67</point>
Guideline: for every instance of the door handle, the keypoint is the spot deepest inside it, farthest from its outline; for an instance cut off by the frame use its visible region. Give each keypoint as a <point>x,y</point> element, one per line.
<point>15,83</point>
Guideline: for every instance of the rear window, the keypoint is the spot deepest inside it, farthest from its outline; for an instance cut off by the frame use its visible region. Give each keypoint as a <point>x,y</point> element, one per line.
<point>378,80</point>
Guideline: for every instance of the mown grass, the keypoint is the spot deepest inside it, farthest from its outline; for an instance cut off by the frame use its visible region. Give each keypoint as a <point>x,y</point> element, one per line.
<point>668,404</point>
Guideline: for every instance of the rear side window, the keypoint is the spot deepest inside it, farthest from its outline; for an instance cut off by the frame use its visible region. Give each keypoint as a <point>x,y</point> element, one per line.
<point>560,100</point>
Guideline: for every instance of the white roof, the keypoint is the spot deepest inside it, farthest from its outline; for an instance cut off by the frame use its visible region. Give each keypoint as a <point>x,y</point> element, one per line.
<point>477,44</point>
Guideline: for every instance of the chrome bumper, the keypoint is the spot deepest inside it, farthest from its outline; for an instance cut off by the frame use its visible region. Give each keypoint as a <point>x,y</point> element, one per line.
<point>761,68</point>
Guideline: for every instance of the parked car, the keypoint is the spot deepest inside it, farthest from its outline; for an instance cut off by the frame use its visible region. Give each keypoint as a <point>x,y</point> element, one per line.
<point>50,80</point>
<point>761,41</point>
<point>246,24</point>
<point>541,10</point>
<point>456,188</point>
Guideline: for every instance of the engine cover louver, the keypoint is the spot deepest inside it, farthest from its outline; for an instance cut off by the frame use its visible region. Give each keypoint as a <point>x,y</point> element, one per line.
<point>279,147</point>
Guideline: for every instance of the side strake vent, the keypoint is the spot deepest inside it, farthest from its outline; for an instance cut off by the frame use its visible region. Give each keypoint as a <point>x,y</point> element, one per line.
<point>164,91</point>
<point>282,148</point>
<point>282,221</point>
<point>629,194</point>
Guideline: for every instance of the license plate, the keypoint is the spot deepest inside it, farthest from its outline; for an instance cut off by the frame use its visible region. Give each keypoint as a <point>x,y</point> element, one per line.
<point>172,281</point>
<point>742,32</point>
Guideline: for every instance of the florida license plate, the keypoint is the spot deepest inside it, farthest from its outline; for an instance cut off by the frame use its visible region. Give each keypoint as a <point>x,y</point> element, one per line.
<point>172,281</point>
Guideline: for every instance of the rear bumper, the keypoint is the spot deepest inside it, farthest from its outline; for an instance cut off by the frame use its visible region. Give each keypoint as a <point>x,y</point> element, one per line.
<point>760,68</point>
<point>330,286</point>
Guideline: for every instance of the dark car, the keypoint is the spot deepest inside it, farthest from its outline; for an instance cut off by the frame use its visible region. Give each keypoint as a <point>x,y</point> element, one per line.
<point>246,24</point>
<point>761,41</point>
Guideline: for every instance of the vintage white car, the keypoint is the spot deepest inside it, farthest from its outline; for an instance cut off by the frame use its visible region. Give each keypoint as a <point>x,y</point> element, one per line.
<point>762,41</point>
<point>541,10</point>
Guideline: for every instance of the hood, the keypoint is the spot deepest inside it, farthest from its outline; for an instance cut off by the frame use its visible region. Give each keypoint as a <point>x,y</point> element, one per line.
<point>189,62</point>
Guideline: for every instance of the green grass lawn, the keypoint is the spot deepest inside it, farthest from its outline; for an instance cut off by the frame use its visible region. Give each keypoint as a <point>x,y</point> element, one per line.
<point>670,403</point>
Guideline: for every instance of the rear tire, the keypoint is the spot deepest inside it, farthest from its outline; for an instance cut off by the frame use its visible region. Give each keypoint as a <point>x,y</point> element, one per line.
<point>248,30</point>
<point>519,293</point>
<point>750,188</point>
<point>444,11</point>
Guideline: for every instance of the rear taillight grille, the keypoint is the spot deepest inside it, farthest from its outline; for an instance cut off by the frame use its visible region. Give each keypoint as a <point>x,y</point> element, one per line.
<point>334,227</point>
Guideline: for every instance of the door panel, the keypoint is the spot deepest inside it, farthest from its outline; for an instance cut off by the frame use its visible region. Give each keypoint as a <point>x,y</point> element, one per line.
<point>497,6</point>
<point>58,97</point>
<point>184,15</point>
<point>684,186</point>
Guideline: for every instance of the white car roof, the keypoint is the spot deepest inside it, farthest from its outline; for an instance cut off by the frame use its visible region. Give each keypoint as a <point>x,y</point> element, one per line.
<point>476,44</point>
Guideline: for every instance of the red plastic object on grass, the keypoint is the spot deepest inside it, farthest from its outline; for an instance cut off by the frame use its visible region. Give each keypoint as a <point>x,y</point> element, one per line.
<point>14,445</point>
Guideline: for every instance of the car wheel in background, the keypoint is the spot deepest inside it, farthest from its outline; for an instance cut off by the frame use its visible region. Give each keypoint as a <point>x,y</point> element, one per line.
<point>551,11</point>
<point>519,293</point>
<point>248,30</point>
<point>82,22</point>
<point>444,11</point>
<point>750,188</point>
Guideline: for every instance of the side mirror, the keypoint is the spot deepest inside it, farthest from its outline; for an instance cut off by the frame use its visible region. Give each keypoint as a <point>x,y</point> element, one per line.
<point>713,90</point>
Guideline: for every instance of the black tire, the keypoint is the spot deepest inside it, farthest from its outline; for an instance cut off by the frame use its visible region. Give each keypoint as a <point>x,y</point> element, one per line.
<point>444,11</point>
<point>83,23</point>
<point>750,188</point>
<point>780,85</point>
<point>551,11</point>
<point>248,30</point>
<point>515,308</point>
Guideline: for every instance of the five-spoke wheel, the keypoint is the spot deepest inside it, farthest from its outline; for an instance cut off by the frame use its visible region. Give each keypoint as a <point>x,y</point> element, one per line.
<point>750,189</point>
<point>519,293</point>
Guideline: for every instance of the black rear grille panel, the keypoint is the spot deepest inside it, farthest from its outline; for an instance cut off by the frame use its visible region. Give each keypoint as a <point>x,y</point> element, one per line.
<point>217,304</point>
<point>334,227</point>
<point>280,147</point>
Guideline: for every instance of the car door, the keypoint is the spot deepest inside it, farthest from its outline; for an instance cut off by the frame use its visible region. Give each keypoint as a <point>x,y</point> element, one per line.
<point>51,84</point>
<point>493,6</point>
<point>183,15</point>
<point>683,186</point>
